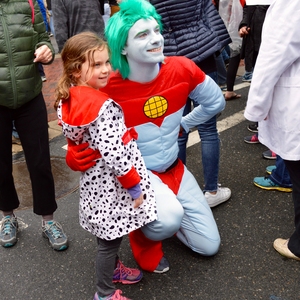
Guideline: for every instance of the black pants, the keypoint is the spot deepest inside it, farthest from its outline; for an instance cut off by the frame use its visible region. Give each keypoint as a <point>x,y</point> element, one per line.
<point>32,126</point>
<point>294,171</point>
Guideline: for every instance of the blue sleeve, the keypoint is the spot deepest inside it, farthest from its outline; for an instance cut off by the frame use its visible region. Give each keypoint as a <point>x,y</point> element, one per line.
<point>211,101</point>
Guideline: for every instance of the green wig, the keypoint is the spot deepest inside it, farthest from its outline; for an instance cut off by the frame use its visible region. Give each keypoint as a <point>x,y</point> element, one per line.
<point>118,26</point>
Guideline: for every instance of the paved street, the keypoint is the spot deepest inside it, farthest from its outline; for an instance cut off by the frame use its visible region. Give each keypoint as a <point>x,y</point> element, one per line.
<point>246,267</point>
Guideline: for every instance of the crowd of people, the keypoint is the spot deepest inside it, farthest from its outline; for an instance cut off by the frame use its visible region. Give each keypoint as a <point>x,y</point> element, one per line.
<point>149,192</point>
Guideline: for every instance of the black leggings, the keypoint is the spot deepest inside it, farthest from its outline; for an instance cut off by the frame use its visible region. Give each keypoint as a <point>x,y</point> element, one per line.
<point>233,66</point>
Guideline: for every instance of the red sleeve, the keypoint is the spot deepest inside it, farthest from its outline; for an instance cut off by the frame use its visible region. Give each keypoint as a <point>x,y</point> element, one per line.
<point>130,179</point>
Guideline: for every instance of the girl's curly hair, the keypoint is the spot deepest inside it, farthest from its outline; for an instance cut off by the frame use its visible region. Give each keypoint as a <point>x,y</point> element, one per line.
<point>76,51</point>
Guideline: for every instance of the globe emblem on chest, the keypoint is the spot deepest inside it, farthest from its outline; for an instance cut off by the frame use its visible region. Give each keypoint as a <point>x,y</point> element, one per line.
<point>155,107</point>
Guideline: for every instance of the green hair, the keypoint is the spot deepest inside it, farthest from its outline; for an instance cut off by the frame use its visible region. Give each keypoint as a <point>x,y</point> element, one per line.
<point>119,25</point>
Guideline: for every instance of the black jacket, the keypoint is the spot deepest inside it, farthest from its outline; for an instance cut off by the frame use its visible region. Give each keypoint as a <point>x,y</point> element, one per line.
<point>253,17</point>
<point>191,28</point>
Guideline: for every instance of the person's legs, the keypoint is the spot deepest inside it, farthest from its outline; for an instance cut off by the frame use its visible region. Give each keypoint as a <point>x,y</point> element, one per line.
<point>198,228</point>
<point>280,174</point>
<point>210,148</point>
<point>213,76</point>
<point>169,212</point>
<point>41,71</point>
<point>8,196</point>
<point>221,69</point>
<point>32,125</point>
<point>146,242</point>
<point>106,262</point>
<point>226,54</point>
<point>51,23</point>
<point>294,171</point>
<point>278,180</point>
<point>233,66</point>
<point>248,69</point>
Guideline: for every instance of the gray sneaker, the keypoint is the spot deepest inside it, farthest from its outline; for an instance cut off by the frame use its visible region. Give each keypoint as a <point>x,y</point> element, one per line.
<point>163,266</point>
<point>8,231</point>
<point>53,231</point>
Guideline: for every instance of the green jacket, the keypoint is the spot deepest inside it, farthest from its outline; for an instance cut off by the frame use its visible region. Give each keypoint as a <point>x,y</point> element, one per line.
<point>20,80</point>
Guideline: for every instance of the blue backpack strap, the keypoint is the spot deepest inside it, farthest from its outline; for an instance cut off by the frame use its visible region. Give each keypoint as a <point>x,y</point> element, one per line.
<point>32,10</point>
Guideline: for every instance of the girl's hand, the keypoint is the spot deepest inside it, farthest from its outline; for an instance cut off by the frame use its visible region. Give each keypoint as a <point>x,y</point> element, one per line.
<point>138,201</point>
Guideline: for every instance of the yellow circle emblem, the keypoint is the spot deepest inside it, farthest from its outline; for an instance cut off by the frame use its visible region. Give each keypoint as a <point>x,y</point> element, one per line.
<point>155,107</point>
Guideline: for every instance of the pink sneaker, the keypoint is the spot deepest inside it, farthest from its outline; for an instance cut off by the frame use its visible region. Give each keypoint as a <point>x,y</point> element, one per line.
<point>115,296</point>
<point>269,154</point>
<point>252,139</point>
<point>126,275</point>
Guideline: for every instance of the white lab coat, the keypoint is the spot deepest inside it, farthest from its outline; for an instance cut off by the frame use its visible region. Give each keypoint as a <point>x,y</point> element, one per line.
<point>274,96</point>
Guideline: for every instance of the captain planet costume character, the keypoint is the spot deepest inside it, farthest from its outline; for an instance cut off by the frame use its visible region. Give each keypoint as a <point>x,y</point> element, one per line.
<point>152,91</point>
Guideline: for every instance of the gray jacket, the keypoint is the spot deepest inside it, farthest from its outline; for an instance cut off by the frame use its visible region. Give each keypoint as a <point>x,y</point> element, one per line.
<point>71,17</point>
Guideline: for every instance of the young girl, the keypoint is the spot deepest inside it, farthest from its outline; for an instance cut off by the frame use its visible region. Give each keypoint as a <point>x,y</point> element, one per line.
<point>115,194</point>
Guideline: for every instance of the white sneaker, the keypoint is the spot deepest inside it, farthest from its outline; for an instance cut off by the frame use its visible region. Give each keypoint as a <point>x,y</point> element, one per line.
<point>222,195</point>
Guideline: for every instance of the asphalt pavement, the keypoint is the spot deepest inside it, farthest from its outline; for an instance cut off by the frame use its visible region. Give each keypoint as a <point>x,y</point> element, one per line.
<point>246,267</point>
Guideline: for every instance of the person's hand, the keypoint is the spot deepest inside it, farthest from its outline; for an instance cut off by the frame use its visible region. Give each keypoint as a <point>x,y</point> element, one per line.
<point>138,201</point>
<point>43,54</point>
<point>81,157</point>
<point>244,31</point>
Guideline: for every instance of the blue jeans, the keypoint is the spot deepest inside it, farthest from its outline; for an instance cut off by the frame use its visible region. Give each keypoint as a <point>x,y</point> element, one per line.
<point>226,53</point>
<point>221,69</point>
<point>51,24</point>
<point>280,175</point>
<point>41,69</point>
<point>210,147</point>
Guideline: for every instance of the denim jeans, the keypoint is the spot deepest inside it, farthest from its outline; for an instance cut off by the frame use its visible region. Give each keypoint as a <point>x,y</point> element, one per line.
<point>221,69</point>
<point>226,53</point>
<point>41,69</point>
<point>210,147</point>
<point>51,24</point>
<point>280,175</point>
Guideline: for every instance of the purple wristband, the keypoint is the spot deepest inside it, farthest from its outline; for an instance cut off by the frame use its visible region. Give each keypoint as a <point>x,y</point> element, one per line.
<point>135,191</point>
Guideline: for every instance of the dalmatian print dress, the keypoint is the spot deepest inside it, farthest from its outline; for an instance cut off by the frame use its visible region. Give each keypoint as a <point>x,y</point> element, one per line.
<point>106,208</point>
